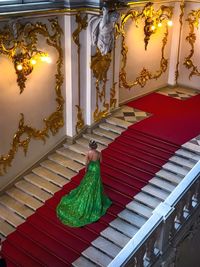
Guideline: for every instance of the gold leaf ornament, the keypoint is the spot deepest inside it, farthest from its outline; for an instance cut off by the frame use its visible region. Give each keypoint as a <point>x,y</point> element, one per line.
<point>25,133</point>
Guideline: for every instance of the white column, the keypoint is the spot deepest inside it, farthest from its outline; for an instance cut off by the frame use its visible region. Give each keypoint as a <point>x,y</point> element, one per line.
<point>71,75</point>
<point>90,86</point>
<point>174,44</point>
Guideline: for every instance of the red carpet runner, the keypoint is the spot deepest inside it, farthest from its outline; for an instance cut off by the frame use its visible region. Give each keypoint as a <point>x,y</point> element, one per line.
<point>128,164</point>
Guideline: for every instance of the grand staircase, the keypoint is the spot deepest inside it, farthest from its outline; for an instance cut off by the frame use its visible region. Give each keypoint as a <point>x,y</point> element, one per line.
<point>139,171</point>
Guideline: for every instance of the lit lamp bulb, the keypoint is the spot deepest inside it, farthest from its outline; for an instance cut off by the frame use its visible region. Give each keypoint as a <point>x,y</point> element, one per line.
<point>170,23</point>
<point>46,59</point>
<point>33,61</point>
<point>159,24</point>
<point>19,67</point>
<point>153,28</point>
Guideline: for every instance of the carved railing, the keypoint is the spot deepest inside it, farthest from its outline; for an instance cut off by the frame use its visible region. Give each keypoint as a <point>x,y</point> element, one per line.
<point>167,222</point>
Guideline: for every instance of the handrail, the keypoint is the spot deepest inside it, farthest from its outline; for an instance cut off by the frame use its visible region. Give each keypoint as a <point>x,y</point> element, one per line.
<point>153,237</point>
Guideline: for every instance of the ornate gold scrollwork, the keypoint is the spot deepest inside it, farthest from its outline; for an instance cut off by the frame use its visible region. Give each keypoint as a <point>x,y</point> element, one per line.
<point>193,20</point>
<point>55,121</point>
<point>82,24</point>
<point>182,7</point>
<point>18,42</point>
<point>162,14</point>
<point>100,65</point>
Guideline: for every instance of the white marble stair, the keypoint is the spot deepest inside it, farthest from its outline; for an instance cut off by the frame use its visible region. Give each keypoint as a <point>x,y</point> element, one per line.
<point>188,154</point>
<point>192,147</point>
<point>66,162</point>
<point>140,208</point>
<point>106,246</point>
<point>118,122</point>
<point>71,155</point>
<point>84,142</point>
<point>98,257</point>
<point>10,217</point>
<point>15,206</point>
<point>175,168</point>
<point>100,139</point>
<point>187,163</point>
<point>110,127</point>
<point>162,184</point>
<point>169,176</point>
<point>124,227</point>
<point>155,191</point>
<point>115,236</point>
<point>108,134</point>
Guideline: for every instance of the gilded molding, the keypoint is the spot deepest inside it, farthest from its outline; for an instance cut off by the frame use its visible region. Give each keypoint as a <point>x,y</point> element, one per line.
<point>162,14</point>
<point>193,20</point>
<point>82,25</point>
<point>55,120</point>
<point>182,8</point>
<point>100,65</point>
<point>19,43</point>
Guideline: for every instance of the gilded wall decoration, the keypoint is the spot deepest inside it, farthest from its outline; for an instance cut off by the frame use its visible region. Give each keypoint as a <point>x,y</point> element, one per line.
<point>152,19</point>
<point>193,20</point>
<point>113,100</point>
<point>81,25</point>
<point>100,65</point>
<point>55,121</point>
<point>19,43</point>
<point>182,7</point>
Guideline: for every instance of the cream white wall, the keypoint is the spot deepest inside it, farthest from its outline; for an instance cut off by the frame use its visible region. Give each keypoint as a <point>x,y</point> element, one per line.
<point>36,103</point>
<point>137,57</point>
<point>194,82</point>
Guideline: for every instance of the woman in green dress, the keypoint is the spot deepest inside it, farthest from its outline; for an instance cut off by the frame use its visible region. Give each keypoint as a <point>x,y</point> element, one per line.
<point>86,203</point>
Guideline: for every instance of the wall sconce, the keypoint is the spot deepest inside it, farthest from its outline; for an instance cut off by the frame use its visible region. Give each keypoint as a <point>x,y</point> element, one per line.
<point>19,45</point>
<point>154,19</point>
<point>24,62</point>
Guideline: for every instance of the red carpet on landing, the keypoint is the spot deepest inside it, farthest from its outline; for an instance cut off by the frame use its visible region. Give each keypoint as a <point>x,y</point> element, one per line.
<point>128,164</point>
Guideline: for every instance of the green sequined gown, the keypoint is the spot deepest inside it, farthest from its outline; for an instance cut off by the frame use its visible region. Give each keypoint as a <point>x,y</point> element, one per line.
<point>86,203</point>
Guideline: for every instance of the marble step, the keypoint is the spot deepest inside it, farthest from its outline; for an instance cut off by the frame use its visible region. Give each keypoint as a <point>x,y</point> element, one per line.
<point>161,183</point>
<point>41,183</point>
<point>147,200</point>
<point>155,191</point>
<point>132,218</point>
<point>24,198</point>
<point>50,176</point>
<point>96,256</point>
<point>192,147</point>
<point>188,154</point>
<point>110,127</point>
<point>78,148</point>
<point>100,139</point>
<point>66,162</point>
<point>10,217</point>
<point>33,190</point>
<point>15,206</point>
<point>118,122</point>
<point>176,169</point>
<point>84,142</point>
<point>124,227</point>
<point>58,169</point>
<point>83,262</point>
<point>139,208</point>
<point>169,176</point>
<point>183,162</point>
<point>71,155</point>
<point>115,236</point>
<point>6,228</point>
<point>107,134</point>
<point>106,246</point>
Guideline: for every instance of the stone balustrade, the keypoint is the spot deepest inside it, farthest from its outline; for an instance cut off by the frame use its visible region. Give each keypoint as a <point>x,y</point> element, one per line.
<point>170,219</point>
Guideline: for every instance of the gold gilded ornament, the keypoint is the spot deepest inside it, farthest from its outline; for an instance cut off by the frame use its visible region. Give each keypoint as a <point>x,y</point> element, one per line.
<point>193,20</point>
<point>55,121</point>
<point>82,25</point>
<point>152,18</point>
<point>100,65</point>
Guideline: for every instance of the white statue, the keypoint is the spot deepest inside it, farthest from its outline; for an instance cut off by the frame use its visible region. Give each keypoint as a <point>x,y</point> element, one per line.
<point>102,30</point>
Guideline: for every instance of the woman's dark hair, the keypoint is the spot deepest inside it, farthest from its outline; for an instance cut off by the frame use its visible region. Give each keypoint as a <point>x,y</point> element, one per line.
<point>93,144</point>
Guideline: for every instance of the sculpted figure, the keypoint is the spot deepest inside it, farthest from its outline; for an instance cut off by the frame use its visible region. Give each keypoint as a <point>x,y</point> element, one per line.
<point>102,30</point>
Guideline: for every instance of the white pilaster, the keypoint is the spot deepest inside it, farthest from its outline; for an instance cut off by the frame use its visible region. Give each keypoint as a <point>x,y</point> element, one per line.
<point>71,75</point>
